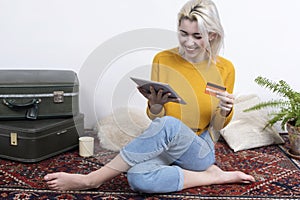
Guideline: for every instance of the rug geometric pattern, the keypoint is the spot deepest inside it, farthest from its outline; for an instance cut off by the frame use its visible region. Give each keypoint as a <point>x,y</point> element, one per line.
<point>277,177</point>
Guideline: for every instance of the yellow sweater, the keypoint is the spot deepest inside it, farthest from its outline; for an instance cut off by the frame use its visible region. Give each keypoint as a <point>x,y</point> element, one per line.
<point>189,81</point>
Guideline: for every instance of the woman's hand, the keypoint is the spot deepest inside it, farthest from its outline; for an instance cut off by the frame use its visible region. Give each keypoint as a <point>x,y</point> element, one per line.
<point>157,97</point>
<point>226,102</point>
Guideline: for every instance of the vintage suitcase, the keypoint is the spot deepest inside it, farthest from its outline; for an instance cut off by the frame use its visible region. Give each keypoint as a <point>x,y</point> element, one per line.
<point>36,140</point>
<point>38,94</point>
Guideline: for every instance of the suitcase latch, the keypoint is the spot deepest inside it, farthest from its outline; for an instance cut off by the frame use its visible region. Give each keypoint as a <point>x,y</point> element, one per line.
<point>13,139</point>
<point>58,96</point>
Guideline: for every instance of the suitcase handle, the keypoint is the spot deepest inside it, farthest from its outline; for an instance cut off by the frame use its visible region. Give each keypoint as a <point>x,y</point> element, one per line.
<point>11,103</point>
<point>31,106</point>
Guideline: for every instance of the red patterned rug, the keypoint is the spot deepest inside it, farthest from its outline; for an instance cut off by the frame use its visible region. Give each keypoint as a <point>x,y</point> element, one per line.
<point>277,177</point>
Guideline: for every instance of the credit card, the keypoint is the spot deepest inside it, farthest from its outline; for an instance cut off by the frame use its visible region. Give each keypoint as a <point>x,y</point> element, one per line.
<point>212,89</point>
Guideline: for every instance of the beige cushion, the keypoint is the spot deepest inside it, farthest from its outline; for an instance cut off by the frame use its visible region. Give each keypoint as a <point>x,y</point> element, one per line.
<point>245,131</point>
<point>120,127</point>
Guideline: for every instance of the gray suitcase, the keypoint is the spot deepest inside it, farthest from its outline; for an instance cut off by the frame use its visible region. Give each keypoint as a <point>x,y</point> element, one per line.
<point>38,94</point>
<point>36,140</point>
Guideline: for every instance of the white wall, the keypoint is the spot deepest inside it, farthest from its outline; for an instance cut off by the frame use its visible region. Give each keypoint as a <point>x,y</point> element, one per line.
<point>106,43</point>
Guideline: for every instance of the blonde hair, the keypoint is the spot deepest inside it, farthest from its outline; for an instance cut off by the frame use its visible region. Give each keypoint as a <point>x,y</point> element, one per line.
<point>206,14</point>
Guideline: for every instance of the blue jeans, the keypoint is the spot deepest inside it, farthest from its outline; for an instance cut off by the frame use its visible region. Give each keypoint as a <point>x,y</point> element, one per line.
<point>158,156</point>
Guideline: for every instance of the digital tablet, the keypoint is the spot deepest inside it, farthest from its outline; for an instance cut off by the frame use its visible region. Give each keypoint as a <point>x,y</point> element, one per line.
<point>145,84</point>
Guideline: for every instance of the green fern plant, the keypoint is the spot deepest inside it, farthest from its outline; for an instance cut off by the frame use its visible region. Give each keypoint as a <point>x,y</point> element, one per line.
<point>287,108</point>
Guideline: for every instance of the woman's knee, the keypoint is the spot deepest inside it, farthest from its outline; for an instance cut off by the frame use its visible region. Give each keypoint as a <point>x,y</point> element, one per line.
<point>166,127</point>
<point>169,120</point>
<point>172,124</point>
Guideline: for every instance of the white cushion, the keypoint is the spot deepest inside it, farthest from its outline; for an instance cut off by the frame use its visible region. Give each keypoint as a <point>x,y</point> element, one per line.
<point>246,129</point>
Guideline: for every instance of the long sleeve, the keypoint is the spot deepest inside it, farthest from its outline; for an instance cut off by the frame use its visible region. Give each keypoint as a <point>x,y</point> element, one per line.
<point>155,77</point>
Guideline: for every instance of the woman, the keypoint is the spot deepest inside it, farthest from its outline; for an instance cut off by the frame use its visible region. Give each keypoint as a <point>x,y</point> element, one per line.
<point>177,151</point>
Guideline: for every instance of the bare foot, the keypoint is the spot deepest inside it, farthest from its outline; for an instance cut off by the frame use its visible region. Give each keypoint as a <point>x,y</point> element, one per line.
<point>66,181</point>
<point>223,177</point>
<point>214,175</point>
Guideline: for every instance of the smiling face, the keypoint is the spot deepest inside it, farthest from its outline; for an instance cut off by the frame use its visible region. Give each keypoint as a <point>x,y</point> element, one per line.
<point>193,44</point>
